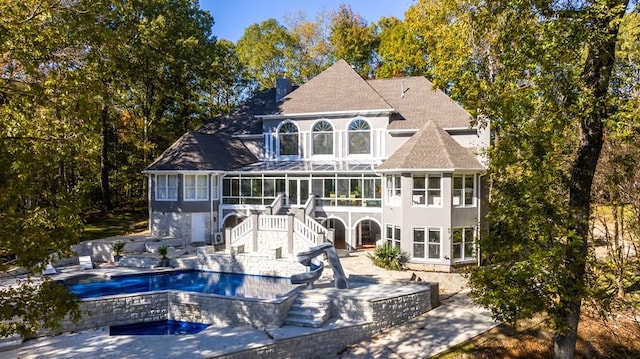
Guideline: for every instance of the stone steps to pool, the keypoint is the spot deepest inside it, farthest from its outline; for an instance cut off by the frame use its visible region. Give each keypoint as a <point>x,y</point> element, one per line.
<point>309,311</point>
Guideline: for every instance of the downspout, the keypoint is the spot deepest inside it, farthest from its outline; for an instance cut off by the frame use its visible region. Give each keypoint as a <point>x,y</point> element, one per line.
<point>479,219</point>
<point>211,232</point>
<point>149,201</point>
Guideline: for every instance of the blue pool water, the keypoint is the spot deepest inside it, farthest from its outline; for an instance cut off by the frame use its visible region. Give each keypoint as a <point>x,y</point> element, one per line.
<point>228,284</point>
<point>163,327</point>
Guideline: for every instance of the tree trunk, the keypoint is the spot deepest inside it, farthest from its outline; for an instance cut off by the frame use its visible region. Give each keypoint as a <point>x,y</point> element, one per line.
<point>596,75</point>
<point>104,160</point>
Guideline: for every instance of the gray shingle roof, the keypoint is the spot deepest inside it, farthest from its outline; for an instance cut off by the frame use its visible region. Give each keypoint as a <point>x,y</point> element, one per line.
<point>241,120</point>
<point>431,148</point>
<point>197,151</point>
<point>338,88</point>
<point>420,103</point>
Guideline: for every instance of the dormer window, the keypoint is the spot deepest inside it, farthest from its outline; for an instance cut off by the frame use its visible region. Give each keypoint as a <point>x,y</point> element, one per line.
<point>322,138</point>
<point>359,137</point>
<point>288,138</point>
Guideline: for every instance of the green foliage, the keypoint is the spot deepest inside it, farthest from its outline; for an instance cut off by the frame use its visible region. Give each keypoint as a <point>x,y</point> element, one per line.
<point>400,52</point>
<point>388,257</point>
<point>540,72</point>
<point>27,308</point>
<point>352,39</point>
<point>91,91</point>
<point>162,250</point>
<point>264,50</point>
<point>311,50</point>
<point>117,248</point>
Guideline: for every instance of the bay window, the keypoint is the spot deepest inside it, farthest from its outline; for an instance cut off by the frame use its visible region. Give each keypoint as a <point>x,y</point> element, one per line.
<point>427,190</point>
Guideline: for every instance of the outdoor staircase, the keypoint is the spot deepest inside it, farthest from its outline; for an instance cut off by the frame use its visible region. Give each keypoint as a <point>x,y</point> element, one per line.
<point>309,311</point>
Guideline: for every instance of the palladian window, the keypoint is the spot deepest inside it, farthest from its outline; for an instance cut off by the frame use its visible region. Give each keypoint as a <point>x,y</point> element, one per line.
<point>288,138</point>
<point>359,137</point>
<point>323,138</point>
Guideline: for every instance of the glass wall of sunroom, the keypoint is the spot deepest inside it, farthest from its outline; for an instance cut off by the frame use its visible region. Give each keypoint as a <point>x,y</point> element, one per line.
<point>351,190</point>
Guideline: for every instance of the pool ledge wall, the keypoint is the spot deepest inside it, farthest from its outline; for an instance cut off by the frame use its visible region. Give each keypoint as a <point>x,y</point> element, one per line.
<point>381,305</point>
<point>177,305</point>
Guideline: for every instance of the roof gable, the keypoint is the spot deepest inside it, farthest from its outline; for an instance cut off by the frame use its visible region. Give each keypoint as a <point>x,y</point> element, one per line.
<point>417,102</point>
<point>431,148</point>
<point>196,151</point>
<point>338,88</point>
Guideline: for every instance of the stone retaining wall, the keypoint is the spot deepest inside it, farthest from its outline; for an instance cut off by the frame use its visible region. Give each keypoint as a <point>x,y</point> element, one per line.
<point>212,309</point>
<point>183,306</point>
<point>119,310</point>
<point>323,344</point>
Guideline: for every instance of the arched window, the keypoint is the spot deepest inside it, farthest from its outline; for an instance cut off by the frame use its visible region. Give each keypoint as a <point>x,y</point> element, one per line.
<point>322,138</point>
<point>359,137</point>
<point>288,137</point>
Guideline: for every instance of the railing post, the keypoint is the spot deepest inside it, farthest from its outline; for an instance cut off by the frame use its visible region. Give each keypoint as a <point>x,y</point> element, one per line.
<point>330,236</point>
<point>321,238</point>
<point>254,234</point>
<point>290,224</point>
<point>227,239</point>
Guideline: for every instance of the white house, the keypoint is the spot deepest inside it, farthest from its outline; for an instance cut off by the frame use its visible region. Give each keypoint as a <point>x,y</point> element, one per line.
<point>377,161</point>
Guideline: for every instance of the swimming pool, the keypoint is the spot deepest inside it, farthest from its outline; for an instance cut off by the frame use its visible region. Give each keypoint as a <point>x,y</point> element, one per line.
<point>227,284</point>
<point>162,327</point>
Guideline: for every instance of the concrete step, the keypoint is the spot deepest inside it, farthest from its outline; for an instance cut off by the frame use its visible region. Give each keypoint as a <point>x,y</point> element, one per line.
<point>304,322</point>
<point>309,311</point>
<point>306,313</point>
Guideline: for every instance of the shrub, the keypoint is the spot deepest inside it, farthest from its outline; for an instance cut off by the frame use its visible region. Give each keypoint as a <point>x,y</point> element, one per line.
<point>388,257</point>
<point>117,248</point>
<point>162,250</point>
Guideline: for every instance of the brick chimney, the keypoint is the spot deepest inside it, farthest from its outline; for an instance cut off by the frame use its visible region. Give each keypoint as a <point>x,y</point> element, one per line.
<point>283,88</point>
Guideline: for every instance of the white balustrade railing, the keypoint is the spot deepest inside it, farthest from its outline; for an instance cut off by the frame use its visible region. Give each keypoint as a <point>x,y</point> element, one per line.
<point>305,232</point>
<point>315,225</point>
<point>241,229</point>
<point>272,223</point>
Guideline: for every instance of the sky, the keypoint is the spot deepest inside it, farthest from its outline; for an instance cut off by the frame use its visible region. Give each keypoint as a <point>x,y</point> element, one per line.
<point>232,17</point>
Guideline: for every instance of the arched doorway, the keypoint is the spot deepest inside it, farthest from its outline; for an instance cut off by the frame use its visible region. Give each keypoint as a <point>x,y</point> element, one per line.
<point>339,232</point>
<point>368,232</point>
<point>232,221</point>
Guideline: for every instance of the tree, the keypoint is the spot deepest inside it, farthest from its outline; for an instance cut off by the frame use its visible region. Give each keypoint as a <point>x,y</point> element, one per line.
<point>265,49</point>
<point>150,61</point>
<point>541,71</point>
<point>617,218</point>
<point>311,48</point>
<point>352,40</point>
<point>44,138</point>
<point>228,84</point>
<point>400,52</point>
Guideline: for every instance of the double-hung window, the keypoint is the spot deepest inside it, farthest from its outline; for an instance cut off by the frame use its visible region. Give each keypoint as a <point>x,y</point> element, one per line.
<point>393,235</point>
<point>167,187</point>
<point>427,190</point>
<point>394,190</point>
<point>463,190</point>
<point>427,243</point>
<point>463,243</point>
<point>196,187</point>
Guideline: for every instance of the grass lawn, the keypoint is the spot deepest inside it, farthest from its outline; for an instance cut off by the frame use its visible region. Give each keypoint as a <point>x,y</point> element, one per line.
<point>116,223</point>
<point>617,336</point>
